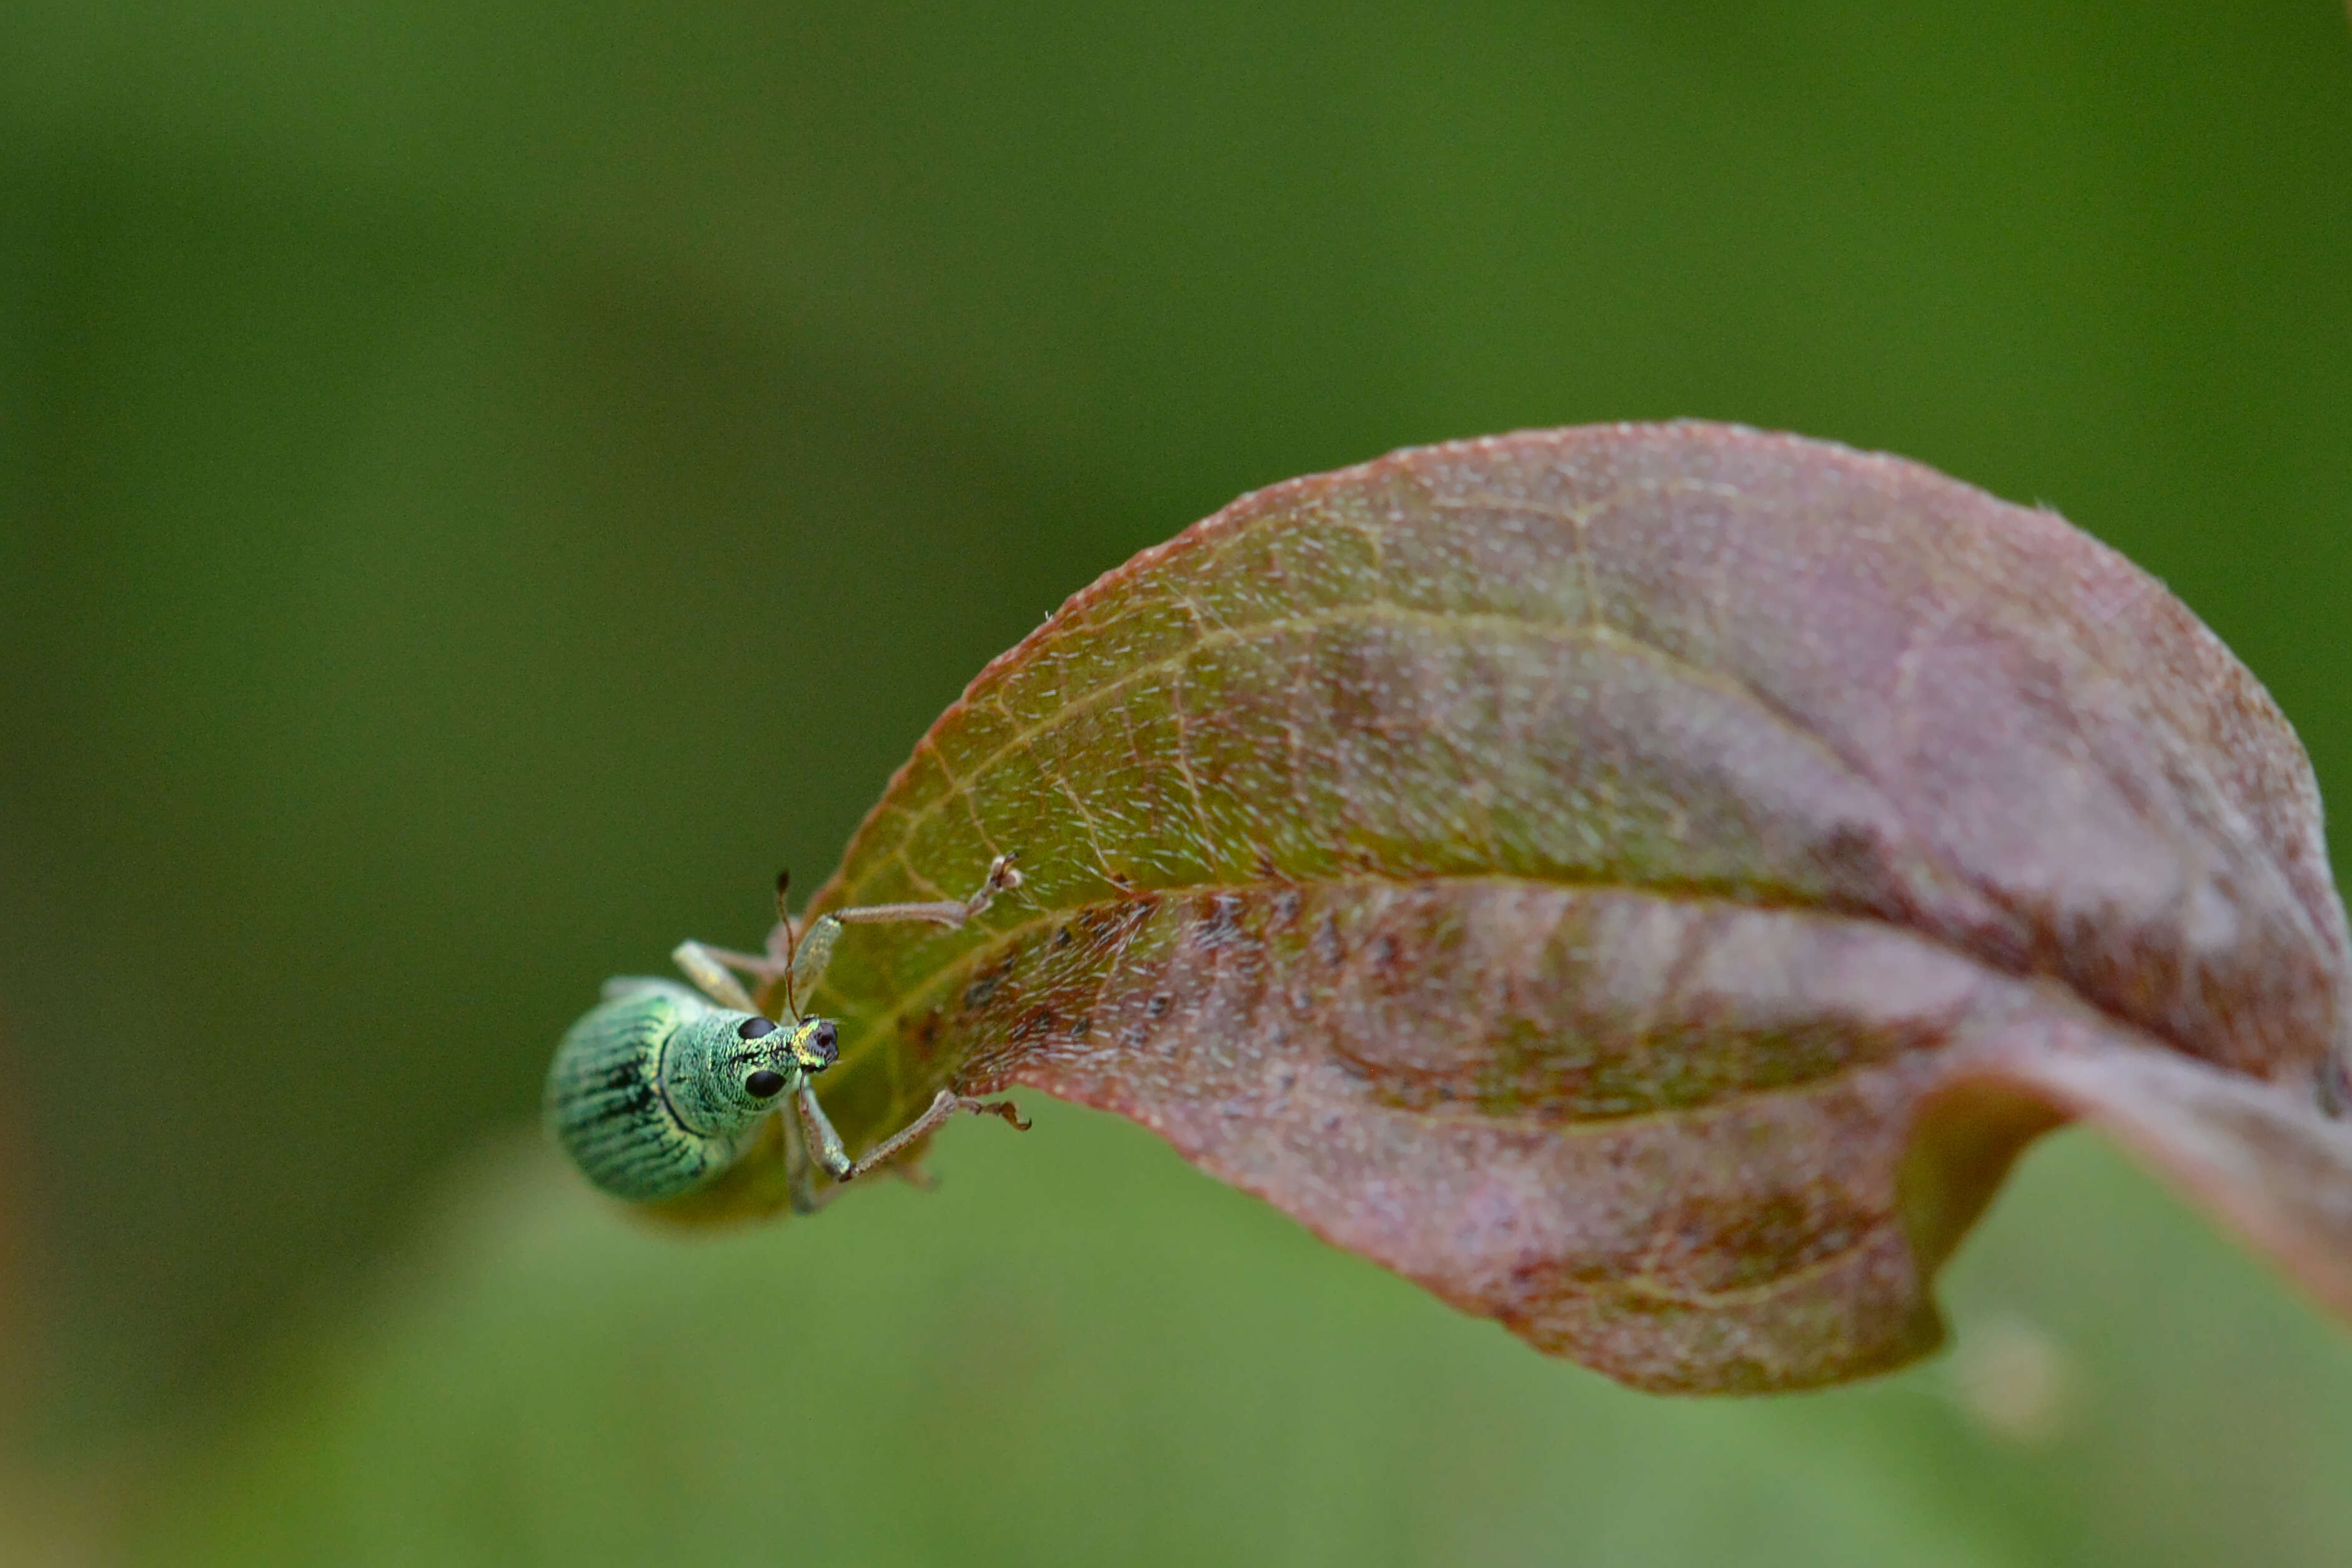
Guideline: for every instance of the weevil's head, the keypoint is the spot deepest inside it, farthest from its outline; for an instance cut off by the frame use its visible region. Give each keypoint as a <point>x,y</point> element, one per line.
<point>722,1071</point>
<point>811,1044</point>
<point>770,1059</point>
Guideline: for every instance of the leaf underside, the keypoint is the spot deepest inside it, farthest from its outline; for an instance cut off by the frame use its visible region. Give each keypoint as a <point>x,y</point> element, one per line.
<point>1644,883</point>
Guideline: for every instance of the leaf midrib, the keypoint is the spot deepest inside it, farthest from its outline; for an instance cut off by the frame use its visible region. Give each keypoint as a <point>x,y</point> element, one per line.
<point>880,1026</point>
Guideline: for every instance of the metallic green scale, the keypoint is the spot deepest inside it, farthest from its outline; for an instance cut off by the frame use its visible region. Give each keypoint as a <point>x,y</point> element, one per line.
<point>660,1088</point>
<point>657,1091</point>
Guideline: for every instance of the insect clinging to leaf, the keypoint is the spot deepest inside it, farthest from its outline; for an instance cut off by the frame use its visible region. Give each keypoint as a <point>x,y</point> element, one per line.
<point>661,1086</point>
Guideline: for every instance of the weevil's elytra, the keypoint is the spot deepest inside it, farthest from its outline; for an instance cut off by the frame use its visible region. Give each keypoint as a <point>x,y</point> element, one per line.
<point>661,1086</point>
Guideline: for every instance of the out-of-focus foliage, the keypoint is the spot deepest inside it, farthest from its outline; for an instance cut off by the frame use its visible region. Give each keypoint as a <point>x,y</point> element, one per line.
<point>482,485</point>
<point>1138,1366</point>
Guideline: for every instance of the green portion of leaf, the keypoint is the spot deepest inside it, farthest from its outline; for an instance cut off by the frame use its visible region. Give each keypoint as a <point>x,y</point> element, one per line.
<point>1561,866</point>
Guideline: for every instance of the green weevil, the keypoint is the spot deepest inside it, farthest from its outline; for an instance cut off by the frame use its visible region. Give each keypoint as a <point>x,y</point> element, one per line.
<point>660,1088</point>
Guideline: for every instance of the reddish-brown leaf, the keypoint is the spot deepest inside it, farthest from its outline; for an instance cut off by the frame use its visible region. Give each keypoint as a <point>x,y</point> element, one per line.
<point>1644,883</point>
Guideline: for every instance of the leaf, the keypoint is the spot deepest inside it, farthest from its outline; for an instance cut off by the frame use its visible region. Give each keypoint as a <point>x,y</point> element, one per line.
<point>1644,883</point>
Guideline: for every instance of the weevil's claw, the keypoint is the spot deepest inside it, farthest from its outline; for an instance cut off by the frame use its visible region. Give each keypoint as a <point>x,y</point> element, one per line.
<point>1001,877</point>
<point>1004,1108</point>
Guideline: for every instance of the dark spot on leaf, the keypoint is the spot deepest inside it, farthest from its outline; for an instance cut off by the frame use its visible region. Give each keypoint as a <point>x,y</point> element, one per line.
<point>1219,921</point>
<point>985,987</point>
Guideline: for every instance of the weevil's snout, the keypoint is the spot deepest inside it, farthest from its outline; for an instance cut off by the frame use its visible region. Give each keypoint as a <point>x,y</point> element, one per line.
<point>813,1046</point>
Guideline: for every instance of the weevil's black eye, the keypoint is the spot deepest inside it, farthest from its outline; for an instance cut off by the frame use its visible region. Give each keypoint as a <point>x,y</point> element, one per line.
<point>764,1084</point>
<point>823,1041</point>
<point>753,1028</point>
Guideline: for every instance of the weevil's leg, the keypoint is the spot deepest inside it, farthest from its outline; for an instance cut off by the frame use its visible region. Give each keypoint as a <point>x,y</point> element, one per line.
<point>801,1168</point>
<point>800,1171</point>
<point>816,942</point>
<point>944,1104</point>
<point>825,1144</point>
<point>814,953</point>
<point>759,966</point>
<point>707,968</point>
<point>947,913</point>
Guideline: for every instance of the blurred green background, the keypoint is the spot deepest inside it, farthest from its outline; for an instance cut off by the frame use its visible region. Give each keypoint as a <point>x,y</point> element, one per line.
<point>480,486</point>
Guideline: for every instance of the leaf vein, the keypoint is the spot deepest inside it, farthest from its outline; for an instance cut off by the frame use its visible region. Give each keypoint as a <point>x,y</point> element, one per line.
<point>1363,612</point>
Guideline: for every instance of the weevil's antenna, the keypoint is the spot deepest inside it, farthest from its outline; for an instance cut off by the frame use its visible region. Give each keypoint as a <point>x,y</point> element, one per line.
<point>784,918</point>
